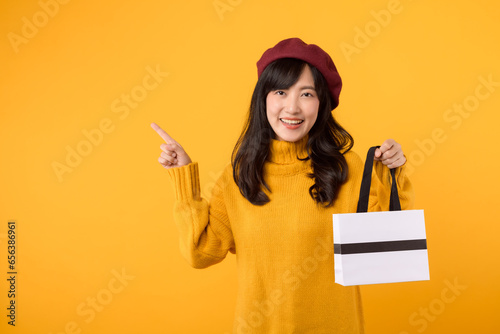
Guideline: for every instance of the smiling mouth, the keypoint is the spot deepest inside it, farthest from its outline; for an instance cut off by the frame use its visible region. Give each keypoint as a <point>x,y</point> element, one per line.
<point>291,122</point>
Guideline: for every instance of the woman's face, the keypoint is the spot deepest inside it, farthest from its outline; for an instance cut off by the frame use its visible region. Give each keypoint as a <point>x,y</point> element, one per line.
<point>293,111</point>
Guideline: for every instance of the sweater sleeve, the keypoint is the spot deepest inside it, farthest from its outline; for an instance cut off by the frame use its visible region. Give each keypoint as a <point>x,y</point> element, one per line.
<point>380,190</point>
<point>204,229</point>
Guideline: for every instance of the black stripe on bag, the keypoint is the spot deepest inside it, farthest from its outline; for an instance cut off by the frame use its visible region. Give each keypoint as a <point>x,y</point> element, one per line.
<point>380,246</point>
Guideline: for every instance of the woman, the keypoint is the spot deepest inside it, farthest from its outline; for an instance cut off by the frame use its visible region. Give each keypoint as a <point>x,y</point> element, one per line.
<point>291,169</point>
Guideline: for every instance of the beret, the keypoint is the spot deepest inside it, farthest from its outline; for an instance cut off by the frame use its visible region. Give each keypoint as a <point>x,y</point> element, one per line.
<point>310,53</point>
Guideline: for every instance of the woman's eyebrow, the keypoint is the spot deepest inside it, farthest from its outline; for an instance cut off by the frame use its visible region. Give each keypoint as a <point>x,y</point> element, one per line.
<point>307,87</point>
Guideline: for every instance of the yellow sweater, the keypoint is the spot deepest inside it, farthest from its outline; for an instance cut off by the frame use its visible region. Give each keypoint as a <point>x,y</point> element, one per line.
<point>284,249</point>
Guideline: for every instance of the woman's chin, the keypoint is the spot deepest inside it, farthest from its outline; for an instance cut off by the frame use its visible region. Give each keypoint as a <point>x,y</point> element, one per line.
<point>289,137</point>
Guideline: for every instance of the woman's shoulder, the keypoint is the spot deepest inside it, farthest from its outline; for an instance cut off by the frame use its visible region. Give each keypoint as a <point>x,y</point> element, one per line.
<point>355,166</point>
<point>352,158</point>
<point>225,175</point>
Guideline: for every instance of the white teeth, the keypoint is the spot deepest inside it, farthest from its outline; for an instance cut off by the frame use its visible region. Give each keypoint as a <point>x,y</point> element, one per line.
<point>289,121</point>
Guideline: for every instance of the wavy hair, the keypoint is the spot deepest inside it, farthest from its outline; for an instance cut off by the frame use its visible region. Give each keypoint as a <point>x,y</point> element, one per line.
<point>326,145</point>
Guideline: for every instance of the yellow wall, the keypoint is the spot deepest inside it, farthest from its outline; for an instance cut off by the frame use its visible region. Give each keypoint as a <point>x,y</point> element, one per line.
<point>97,248</point>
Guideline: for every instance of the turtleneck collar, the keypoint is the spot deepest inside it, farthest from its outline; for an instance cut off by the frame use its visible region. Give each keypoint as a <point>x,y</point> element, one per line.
<point>283,155</point>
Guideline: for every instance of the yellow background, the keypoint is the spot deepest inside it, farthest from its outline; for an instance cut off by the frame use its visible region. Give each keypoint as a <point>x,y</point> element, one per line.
<point>113,212</point>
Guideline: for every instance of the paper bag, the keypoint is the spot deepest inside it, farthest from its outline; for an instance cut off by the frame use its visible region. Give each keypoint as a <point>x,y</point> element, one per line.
<point>379,247</point>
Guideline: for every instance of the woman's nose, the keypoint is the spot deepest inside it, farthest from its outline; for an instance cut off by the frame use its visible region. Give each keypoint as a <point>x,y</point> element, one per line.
<point>292,104</point>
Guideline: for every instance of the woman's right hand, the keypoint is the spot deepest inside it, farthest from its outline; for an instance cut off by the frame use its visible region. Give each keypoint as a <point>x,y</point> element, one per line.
<point>172,155</point>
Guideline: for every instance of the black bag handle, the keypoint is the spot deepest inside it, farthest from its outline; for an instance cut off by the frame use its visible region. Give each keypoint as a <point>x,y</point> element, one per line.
<point>364,191</point>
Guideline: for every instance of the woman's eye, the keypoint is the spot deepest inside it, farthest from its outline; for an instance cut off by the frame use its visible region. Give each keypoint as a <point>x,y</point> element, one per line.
<point>308,94</point>
<point>280,92</point>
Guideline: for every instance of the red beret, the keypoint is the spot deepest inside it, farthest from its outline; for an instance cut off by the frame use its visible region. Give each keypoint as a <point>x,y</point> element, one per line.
<point>311,53</point>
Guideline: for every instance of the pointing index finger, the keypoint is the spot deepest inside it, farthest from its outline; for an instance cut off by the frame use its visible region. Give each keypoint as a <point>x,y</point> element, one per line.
<point>162,133</point>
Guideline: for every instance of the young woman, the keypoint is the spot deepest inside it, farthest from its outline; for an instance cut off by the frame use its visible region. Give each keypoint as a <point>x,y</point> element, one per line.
<point>291,169</point>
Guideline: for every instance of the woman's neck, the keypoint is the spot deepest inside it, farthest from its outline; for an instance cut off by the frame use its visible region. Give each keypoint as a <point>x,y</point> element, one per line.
<point>283,156</point>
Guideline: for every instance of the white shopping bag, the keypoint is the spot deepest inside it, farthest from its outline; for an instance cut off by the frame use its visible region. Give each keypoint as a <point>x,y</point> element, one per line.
<point>379,247</point>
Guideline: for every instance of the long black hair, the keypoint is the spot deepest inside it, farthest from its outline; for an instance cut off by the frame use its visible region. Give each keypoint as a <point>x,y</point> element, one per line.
<point>326,144</point>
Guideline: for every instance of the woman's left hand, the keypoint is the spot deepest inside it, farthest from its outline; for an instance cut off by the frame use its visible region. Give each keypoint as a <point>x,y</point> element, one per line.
<point>390,154</point>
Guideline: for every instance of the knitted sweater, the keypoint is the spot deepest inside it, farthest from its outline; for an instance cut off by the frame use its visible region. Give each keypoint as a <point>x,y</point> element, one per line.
<point>284,249</point>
